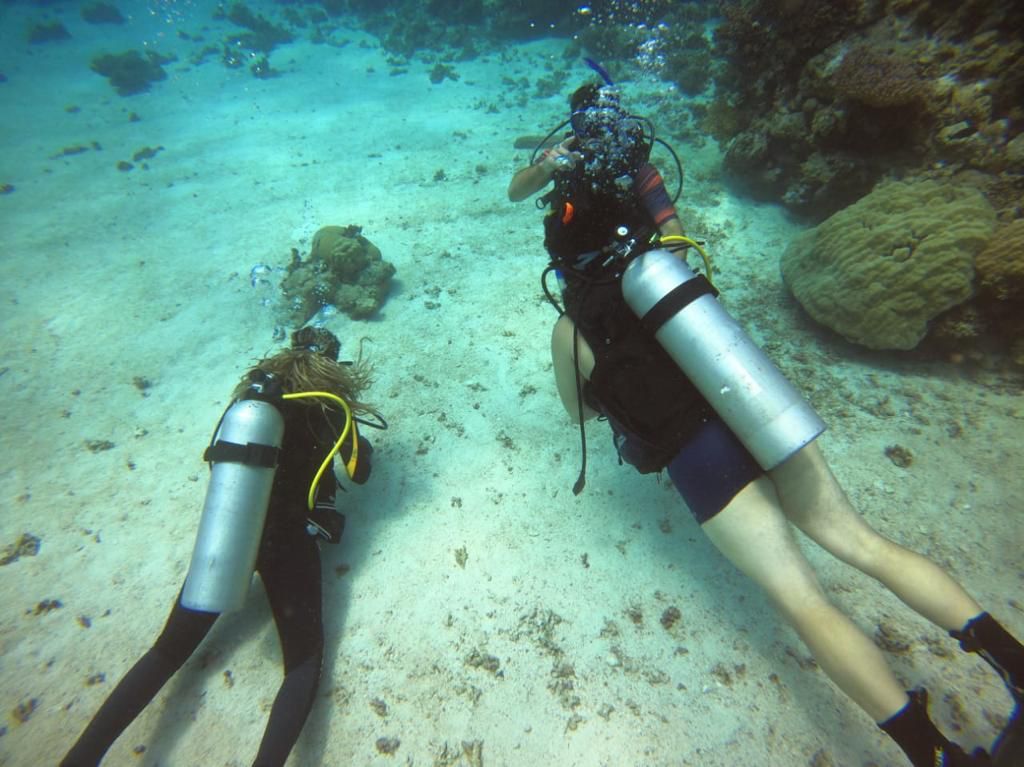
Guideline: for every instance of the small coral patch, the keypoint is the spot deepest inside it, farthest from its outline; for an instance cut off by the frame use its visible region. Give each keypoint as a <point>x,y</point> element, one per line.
<point>344,270</point>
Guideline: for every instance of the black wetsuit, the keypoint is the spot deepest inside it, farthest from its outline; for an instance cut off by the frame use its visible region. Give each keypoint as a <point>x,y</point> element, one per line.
<point>658,417</point>
<point>289,566</point>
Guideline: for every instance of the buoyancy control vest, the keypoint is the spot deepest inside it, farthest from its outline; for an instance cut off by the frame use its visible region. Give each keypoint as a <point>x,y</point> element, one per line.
<point>651,405</point>
<point>586,217</point>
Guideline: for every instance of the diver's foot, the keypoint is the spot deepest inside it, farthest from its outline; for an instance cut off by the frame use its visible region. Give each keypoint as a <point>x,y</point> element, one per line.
<point>1008,750</point>
<point>954,756</point>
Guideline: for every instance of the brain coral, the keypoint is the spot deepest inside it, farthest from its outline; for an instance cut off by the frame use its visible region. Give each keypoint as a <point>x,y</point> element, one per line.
<point>1001,264</point>
<point>879,270</point>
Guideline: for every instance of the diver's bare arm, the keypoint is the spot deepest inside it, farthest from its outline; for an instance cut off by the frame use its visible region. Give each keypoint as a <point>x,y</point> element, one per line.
<point>531,179</point>
<point>672,227</point>
<point>535,177</point>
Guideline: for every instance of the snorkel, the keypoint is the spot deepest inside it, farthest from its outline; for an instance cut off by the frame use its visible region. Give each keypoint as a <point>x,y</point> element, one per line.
<point>601,71</point>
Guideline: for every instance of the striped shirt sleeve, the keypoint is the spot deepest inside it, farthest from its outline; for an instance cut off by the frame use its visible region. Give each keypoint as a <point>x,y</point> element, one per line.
<point>651,189</point>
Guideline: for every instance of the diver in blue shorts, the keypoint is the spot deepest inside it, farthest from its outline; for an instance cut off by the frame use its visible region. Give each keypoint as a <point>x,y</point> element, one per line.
<point>735,437</point>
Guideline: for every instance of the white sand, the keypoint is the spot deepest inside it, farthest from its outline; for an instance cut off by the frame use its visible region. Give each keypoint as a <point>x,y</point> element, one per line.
<point>108,276</point>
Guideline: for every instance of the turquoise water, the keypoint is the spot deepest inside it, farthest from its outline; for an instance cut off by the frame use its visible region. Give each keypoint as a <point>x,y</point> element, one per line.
<point>131,228</point>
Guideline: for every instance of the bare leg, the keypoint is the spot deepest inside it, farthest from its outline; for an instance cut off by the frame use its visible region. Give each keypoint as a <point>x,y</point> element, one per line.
<point>565,371</point>
<point>753,533</point>
<point>813,501</point>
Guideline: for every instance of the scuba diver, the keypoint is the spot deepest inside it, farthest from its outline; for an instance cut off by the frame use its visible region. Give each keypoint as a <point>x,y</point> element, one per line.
<point>267,504</point>
<point>643,342</point>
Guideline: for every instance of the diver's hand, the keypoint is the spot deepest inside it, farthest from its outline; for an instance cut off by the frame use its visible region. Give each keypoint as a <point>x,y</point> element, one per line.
<point>561,157</point>
<point>535,177</point>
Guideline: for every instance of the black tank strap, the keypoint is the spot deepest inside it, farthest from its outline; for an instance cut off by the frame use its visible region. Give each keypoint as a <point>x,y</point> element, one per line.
<point>251,454</point>
<point>675,300</point>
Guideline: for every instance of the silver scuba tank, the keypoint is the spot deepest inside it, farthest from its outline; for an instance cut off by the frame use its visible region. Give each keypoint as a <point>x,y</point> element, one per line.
<point>244,458</point>
<point>765,411</point>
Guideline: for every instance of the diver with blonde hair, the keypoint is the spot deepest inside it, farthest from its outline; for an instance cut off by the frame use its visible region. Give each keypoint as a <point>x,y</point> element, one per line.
<point>267,505</point>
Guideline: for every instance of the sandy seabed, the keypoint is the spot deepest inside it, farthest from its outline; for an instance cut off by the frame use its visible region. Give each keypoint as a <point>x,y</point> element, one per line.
<point>129,314</point>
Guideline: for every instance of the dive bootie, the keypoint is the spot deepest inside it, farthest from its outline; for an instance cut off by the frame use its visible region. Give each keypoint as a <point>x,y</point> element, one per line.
<point>921,741</point>
<point>983,635</point>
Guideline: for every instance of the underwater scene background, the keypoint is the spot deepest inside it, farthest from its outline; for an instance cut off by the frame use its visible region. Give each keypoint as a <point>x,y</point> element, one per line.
<point>184,183</point>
